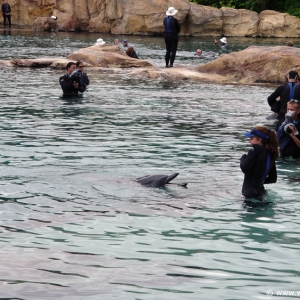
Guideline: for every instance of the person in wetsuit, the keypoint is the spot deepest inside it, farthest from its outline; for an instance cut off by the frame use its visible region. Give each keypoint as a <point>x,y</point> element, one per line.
<point>6,11</point>
<point>70,86</point>
<point>288,134</point>
<point>285,92</point>
<point>259,164</point>
<point>172,28</point>
<point>131,52</point>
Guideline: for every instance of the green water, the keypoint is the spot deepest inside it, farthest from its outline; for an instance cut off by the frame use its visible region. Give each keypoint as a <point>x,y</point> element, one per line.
<point>75,225</point>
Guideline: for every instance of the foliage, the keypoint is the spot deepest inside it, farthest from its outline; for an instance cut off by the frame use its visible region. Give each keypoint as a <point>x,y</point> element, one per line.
<point>289,6</point>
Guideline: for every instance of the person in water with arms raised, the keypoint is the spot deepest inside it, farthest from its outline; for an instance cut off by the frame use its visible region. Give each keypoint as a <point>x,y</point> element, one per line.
<point>259,164</point>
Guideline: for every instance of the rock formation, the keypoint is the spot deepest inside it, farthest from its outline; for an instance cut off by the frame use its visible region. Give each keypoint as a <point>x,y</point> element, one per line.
<point>256,64</point>
<point>145,17</point>
<point>100,56</point>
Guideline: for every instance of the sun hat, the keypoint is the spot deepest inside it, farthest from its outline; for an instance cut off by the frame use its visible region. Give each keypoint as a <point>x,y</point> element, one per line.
<point>100,42</point>
<point>171,11</point>
<point>257,133</point>
<point>223,40</point>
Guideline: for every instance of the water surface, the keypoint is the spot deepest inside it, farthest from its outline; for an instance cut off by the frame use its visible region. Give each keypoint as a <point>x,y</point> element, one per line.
<point>75,225</point>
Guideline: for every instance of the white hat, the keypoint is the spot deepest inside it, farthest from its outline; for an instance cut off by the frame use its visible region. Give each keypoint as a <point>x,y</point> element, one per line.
<point>100,42</point>
<point>54,17</point>
<point>171,11</point>
<point>223,40</point>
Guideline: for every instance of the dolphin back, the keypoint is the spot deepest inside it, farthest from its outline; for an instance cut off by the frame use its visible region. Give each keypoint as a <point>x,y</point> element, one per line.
<point>156,180</point>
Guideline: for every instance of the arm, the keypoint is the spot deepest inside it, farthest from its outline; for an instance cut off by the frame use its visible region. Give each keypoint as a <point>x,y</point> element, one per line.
<point>294,137</point>
<point>177,26</point>
<point>67,85</point>
<point>275,94</point>
<point>80,87</point>
<point>247,161</point>
<point>272,175</point>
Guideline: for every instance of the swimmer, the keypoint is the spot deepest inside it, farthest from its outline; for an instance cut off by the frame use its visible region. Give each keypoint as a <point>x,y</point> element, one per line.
<point>198,53</point>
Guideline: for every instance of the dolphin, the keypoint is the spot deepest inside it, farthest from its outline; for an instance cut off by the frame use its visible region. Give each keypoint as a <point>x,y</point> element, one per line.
<point>159,180</point>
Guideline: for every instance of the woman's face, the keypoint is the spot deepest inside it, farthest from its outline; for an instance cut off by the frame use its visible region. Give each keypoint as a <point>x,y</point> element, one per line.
<point>255,140</point>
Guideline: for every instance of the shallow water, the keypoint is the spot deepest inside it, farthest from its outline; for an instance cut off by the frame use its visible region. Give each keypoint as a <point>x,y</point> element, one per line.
<point>75,225</point>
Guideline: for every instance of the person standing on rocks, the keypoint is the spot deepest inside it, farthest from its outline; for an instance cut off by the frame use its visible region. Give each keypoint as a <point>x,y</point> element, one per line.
<point>172,28</point>
<point>6,14</point>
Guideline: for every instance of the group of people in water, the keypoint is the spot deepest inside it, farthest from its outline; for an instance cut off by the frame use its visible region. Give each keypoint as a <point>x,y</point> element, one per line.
<point>259,165</point>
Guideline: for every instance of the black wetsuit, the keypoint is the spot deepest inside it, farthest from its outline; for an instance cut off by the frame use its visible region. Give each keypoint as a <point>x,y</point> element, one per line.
<point>253,166</point>
<point>6,14</point>
<point>171,38</point>
<point>284,92</point>
<point>67,85</point>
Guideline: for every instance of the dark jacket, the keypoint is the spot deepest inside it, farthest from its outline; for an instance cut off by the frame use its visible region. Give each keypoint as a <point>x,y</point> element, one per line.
<point>287,146</point>
<point>284,92</point>
<point>173,29</point>
<point>68,88</point>
<point>5,8</point>
<point>253,166</point>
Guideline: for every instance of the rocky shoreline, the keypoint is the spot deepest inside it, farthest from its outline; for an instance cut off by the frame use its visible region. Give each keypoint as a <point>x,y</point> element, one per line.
<point>145,18</point>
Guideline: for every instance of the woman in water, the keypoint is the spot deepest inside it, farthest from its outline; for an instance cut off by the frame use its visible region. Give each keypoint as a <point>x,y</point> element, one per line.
<point>259,164</point>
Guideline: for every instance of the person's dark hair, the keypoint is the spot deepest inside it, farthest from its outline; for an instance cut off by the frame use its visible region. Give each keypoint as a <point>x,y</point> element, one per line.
<point>69,64</point>
<point>293,75</point>
<point>129,51</point>
<point>78,63</point>
<point>271,144</point>
<point>290,44</point>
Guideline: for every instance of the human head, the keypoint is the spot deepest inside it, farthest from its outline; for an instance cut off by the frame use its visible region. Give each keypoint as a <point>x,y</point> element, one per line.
<point>129,51</point>
<point>116,42</point>
<point>293,106</point>
<point>79,65</point>
<point>290,44</point>
<point>125,43</point>
<point>198,52</point>
<point>261,135</point>
<point>171,11</point>
<point>293,75</point>
<point>71,66</point>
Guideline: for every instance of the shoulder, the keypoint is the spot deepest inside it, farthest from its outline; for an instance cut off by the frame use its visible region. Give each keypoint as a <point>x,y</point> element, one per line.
<point>258,148</point>
<point>63,78</point>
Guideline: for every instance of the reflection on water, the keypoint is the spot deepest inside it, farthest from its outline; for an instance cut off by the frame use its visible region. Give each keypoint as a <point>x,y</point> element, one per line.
<point>75,224</point>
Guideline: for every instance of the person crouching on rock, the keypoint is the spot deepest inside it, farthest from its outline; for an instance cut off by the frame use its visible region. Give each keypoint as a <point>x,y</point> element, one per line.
<point>130,52</point>
<point>69,85</point>
<point>259,164</point>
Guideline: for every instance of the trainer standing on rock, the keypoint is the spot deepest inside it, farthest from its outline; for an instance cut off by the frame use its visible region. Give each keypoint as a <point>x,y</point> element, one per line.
<point>172,28</point>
